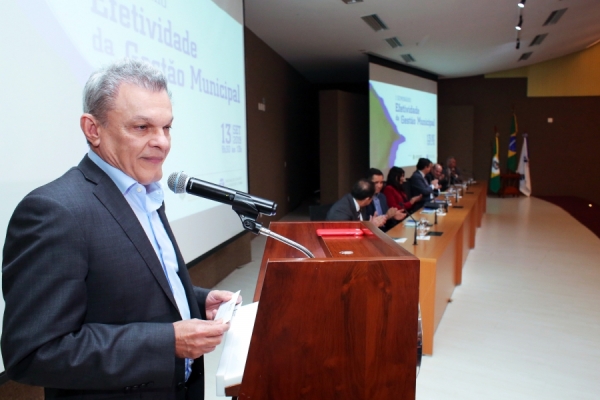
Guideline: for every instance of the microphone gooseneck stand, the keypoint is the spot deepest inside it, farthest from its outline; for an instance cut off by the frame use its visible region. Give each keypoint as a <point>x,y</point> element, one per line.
<point>265,232</point>
<point>248,213</point>
<point>416,227</point>
<point>414,220</point>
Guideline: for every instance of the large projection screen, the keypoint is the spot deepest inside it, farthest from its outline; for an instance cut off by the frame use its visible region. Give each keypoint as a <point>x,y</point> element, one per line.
<point>50,47</point>
<point>403,119</point>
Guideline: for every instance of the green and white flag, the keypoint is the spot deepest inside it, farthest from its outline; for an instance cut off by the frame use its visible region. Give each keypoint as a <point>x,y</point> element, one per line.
<point>495,177</point>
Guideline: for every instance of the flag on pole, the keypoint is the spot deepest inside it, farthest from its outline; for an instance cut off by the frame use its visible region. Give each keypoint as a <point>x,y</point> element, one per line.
<point>495,177</point>
<point>525,183</point>
<point>511,161</point>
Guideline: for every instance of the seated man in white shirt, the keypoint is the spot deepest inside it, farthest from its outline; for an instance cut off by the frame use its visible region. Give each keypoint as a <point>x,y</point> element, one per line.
<point>351,207</point>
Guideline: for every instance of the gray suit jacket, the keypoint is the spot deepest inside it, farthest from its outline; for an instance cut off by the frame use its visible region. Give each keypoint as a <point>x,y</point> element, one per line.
<point>89,310</point>
<point>345,210</point>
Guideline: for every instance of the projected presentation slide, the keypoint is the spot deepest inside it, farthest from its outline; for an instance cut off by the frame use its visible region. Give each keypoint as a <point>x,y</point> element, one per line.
<point>52,46</point>
<point>403,125</point>
<point>197,45</point>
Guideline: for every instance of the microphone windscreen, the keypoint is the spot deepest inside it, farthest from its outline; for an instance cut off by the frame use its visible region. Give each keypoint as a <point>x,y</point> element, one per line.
<point>176,182</point>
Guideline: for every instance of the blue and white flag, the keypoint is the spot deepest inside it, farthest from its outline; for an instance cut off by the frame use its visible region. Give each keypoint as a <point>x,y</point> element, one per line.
<point>523,169</point>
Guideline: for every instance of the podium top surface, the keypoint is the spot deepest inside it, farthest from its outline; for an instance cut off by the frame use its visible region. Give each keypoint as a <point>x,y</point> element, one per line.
<point>372,244</point>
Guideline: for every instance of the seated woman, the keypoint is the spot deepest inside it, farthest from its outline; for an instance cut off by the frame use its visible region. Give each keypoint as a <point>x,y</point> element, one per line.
<point>394,194</point>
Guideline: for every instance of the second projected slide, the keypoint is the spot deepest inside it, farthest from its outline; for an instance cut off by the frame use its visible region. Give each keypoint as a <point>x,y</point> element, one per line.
<point>403,125</point>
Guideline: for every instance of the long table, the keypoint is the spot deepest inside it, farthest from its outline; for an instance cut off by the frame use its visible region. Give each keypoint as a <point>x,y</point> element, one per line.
<point>442,257</point>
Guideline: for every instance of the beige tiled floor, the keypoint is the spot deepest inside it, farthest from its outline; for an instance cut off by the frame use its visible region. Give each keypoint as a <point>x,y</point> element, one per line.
<point>525,324</point>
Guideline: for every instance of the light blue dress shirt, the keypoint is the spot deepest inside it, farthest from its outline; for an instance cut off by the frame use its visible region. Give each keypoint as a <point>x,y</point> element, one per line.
<point>145,200</point>
<point>377,203</point>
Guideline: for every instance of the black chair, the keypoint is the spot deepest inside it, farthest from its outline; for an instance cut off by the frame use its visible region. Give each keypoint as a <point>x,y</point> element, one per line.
<point>319,212</point>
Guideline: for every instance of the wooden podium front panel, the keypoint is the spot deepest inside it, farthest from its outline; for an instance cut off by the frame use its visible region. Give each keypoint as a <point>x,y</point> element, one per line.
<point>335,329</point>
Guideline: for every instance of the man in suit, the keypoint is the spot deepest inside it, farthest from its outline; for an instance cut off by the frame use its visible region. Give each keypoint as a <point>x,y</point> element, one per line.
<point>452,171</point>
<point>379,205</point>
<point>437,173</point>
<point>419,184</point>
<point>351,207</point>
<point>99,303</point>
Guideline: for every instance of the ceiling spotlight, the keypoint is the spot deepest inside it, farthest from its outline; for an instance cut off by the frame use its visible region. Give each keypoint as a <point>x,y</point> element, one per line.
<point>518,27</point>
<point>521,4</point>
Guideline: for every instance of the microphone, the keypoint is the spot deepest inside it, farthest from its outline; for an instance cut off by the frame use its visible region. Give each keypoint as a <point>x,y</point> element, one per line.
<point>408,213</point>
<point>179,182</point>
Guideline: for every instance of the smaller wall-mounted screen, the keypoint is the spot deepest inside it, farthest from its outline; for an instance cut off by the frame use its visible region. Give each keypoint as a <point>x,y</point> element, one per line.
<point>403,118</point>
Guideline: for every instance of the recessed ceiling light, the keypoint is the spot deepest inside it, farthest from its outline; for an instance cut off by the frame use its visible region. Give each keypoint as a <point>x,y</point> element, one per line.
<point>393,42</point>
<point>538,39</point>
<point>375,22</point>
<point>407,58</point>
<point>555,16</point>
<point>525,56</point>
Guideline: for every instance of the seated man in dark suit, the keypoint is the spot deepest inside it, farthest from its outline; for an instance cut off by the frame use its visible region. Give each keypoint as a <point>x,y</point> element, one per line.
<point>437,172</point>
<point>379,204</point>
<point>452,171</point>
<point>352,206</point>
<point>419,184</point>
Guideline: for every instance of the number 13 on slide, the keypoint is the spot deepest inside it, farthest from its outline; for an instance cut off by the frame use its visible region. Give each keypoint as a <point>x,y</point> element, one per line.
<point>231,139</point>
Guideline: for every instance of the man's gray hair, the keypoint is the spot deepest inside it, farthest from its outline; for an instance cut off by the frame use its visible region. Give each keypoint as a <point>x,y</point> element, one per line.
<point>102,87</point>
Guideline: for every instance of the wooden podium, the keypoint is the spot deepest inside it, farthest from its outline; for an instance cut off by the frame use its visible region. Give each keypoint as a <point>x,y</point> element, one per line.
<point>342,325</point>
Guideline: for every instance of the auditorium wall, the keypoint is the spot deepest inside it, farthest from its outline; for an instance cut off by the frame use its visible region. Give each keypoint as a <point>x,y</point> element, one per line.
<point>563,154</point>
<point>344,139</point>
<point>283,141</point>
<point>576,74</point>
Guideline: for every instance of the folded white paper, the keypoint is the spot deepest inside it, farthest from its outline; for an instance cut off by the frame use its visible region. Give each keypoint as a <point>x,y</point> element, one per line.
<point>225,310</point>
<point>235,348</point>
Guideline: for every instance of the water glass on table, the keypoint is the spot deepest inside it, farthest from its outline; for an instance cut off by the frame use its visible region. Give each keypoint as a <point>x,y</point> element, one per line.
<point>422,227</point>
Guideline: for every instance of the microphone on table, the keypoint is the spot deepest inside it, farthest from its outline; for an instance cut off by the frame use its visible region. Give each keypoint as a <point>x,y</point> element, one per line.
<point>179,182</point>
<point>409,214</point>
